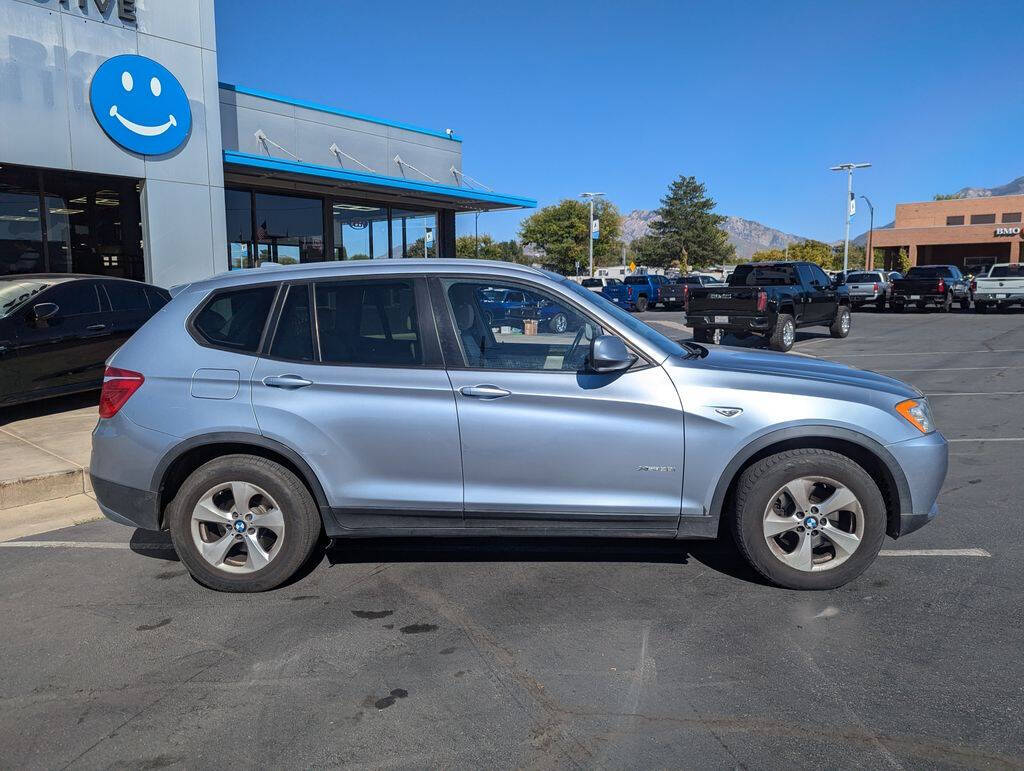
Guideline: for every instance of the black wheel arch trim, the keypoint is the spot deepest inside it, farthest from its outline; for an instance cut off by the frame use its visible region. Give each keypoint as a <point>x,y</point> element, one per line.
<point>240,437</point>
<point>903,504</point>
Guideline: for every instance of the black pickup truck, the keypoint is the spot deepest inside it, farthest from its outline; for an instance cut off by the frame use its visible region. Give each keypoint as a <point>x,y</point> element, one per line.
<point>771,299</point>
<point>938,285</point>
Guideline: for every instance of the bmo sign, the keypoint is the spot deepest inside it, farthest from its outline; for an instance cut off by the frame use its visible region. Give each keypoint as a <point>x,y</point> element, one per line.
<point>1014,231</point>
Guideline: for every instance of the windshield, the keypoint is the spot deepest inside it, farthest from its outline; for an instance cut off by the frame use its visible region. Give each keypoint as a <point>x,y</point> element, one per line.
<point>1015,270</point>
<point>856,278</point>
<point>929,272</point>
<point>628,321</point>
<point>14,294</point>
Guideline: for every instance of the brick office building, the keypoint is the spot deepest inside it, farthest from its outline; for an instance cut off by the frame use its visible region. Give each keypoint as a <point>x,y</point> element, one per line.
<point>971,233</point>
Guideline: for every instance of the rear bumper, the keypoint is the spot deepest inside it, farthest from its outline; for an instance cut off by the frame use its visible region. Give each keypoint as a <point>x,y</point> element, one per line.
<point>918,298</point>
<point>924,462</point>
<point>738,322</point>
<point>999,297</point>
<point>127,505</point>
<point>867,298</point>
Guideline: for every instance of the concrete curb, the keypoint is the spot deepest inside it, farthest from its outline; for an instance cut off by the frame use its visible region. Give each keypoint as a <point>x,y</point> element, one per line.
<point>44,516</point>
<point>43,487</point>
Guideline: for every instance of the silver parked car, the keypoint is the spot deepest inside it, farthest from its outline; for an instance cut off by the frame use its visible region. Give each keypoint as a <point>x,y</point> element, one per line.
<point>871,287</point>
<point>261,411</point>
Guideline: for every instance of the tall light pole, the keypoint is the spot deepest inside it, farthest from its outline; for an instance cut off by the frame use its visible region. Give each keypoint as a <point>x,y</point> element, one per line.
<point>848,168</point>
<point>590,234</point>
<point>869,257</point>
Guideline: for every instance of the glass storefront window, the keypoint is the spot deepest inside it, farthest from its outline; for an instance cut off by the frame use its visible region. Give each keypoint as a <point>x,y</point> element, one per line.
<point>289,229</point>
<point>413,233</point>
<point>21,230</point>
<point>87,223</point>
<point>360,232</point>
<point>238,216</point>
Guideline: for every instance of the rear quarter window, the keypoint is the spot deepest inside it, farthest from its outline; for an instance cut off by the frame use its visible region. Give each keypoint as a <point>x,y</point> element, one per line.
<point>234,319</point>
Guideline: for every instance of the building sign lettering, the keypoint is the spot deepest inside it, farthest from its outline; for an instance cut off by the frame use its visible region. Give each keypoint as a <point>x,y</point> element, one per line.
<point>125,8</point>
<point>1014,231</point>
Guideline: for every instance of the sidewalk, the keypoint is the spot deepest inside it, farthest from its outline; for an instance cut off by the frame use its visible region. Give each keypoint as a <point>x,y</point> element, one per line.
<point>44,450</point>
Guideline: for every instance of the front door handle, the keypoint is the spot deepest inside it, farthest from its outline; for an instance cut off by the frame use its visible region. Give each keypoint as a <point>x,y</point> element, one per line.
<point>96,327</point>
<point>484,392</point>
<point>286,381</point>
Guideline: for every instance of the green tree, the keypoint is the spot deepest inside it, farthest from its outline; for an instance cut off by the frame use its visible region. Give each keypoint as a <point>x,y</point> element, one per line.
<point>687,229</point>
<point>946,196</point>
<point>562,231</point>
<point>489,249</point>
<point>803,251</point>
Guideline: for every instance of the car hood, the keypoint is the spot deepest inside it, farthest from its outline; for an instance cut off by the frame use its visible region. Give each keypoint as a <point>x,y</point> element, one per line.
<point>799,367</point>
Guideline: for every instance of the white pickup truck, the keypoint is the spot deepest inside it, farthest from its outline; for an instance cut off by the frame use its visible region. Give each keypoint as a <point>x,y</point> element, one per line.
<point>1001,287</point>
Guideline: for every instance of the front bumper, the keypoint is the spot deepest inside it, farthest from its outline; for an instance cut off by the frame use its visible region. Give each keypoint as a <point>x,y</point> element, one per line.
<point>923,461</point>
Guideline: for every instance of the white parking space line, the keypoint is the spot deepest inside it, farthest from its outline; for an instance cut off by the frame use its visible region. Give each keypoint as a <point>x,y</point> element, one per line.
<point>667,323</point>
<point>990,439</point>
<point>973,552</point>
<point>944,369</point>
<point>84,545</point>
<point>837,354</point>
<point>976,393</point>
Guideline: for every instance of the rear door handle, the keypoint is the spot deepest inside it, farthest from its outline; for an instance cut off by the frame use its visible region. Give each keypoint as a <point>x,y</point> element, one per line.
<point>484,392</point>
<point>286,381</point>
<point>96,327</point>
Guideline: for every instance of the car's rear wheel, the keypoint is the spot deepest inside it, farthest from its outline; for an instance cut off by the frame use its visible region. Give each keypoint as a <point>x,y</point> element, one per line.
<point>981,307</point>
<point>880,305</point>
<point>784,334</point>
<point>947,303</point>
<point>898,307</point>
<point>242,523</point>
<point>641,304</point>
<point>840,326</point>
<point>808,518</point>
<point>965,304</point>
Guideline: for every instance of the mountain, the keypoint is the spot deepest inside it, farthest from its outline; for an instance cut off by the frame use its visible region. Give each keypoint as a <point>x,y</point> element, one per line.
<point>1016,187</point>
<point>746,235</point>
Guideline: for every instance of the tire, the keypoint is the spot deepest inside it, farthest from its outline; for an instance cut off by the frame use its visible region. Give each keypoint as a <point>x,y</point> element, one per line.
<point>783,334</point>
<point>898,308</point>
<point>757,490</point>
<point>299,522</point>
<point>965,305</point>
<point>855,306</point>
<point>946,304</point>
<point>980,307</point>
<point>558,323</point>
<point>922,306</point>
<point>641,304</point>
<point>840,326</point>
<point>880,305</point>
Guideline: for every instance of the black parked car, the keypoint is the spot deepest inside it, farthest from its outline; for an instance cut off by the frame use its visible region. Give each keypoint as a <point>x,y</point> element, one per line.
<point>56,330</point>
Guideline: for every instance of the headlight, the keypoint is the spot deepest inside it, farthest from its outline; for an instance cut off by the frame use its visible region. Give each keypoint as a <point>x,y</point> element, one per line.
<point>917,412</point>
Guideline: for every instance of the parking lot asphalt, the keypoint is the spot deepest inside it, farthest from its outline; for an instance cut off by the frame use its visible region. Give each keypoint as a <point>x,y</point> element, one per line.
<point>409,653</point>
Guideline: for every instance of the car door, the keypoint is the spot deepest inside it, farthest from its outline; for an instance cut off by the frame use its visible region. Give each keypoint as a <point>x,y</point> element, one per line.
<point>64,352</point>
<point>546,444</point>
<point>359,389</point>
<point>821,295</point>
<point>129,310</point>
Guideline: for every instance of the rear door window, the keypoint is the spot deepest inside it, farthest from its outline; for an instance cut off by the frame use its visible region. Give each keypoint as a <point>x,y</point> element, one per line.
<point>294,336</point>
<point>234,319</point>
<point>371,323</point>
<point>73,298</point>
<point>126,296</point>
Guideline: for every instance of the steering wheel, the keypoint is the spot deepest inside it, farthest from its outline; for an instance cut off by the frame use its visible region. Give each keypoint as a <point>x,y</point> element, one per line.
<point>568,362</point>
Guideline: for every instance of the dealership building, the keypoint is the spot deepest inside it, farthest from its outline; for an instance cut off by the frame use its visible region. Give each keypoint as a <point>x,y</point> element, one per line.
<point>971,233</point>
<point>122,154</point>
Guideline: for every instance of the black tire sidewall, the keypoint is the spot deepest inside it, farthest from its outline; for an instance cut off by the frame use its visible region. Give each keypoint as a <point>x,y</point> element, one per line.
<point>777,341</point>
<point>761,480</point>
<point>303,525</point>
<point>836,329</point>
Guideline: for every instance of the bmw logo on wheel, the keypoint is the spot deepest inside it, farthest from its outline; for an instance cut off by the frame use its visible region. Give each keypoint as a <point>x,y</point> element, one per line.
<point>140,105</point>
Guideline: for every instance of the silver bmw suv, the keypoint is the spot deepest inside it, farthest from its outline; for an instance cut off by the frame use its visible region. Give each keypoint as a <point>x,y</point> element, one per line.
<point>263,411</point>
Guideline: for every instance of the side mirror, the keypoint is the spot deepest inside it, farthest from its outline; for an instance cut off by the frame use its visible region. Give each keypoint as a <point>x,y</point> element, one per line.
<point>609,354</point>
<point>44,311</point>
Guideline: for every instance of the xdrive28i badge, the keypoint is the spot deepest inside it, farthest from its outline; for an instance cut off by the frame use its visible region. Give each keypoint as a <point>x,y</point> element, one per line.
<point>140,105</point>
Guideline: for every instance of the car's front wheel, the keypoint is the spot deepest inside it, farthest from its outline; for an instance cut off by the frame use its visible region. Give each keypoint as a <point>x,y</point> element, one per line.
<point>242,523</point>
<point>808,518</point>
<point>558,323</point>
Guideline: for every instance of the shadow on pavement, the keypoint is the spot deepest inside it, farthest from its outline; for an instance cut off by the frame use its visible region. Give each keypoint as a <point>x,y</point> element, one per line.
<point>150,543</point>
<point>52,406</point>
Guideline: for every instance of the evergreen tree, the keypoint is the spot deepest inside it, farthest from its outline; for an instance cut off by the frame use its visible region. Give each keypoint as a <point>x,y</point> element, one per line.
<point>687,229</point>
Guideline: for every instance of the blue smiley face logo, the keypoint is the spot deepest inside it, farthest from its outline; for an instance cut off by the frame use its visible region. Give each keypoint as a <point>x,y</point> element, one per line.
<point>140,105</point>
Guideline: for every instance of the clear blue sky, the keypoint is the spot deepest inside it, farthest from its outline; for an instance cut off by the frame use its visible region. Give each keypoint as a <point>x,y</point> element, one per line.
<point>755,99</point>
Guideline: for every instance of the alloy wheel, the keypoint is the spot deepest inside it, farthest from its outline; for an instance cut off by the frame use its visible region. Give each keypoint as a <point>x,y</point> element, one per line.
<point>813,524</point>
<point>237,527</point>
<point>788,334</point>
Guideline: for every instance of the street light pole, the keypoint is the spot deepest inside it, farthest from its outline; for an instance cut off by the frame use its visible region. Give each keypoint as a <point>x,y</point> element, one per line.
<point>590,232</point>
<point>869,257</point>
<point>848,168</point>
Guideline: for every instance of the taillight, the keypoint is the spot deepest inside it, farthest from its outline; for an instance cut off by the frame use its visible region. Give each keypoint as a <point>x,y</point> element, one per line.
<point>942,286</point>
<point>762,301</point>
<point>629,291</point>
<point>874,287</point>
<point>686,295</point>
<point>974,286</point>
<point>118,387</point>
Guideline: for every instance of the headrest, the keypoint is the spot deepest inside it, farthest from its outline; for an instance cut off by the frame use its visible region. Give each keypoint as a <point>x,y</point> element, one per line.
<point>464,317</point>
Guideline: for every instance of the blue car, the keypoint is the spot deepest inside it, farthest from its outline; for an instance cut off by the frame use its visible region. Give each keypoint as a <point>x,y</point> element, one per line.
<point>512,307</point>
